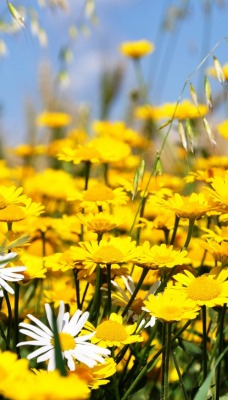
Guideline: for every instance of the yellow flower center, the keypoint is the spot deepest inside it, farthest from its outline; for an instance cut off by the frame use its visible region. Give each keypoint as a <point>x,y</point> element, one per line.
<point>112,331</point>
<point>99,193</point>
<point>137,306</point>
<point>100,225</point>
<point>204,288</point>
<point>108,255</point>
<point>67,341</point>
<point>12,213</point>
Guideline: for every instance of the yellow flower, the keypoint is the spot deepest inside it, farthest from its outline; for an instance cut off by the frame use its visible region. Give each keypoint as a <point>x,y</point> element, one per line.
<point>100,195</point>
<point>15,213</point>
<point>219,193</point>
<point>191,207</point>
<point>111,149</point>
<point>171,306</point>
<point>34,267</point>
<point>114,252</point>
<point>11,195</point>
<point>208,290</point>
<point>53,119</point>
<point>160,256</point>
<point>96,376</point>
<point>113,332</point>
<point>218,250</point>
<point>100,222</point>
<point>185,109</point>
<point>136,49</point>
<point>223,129</point>
<point>84,153</point>
<point>48,385</point>
<point>118,130</point>
<point>27,150</point>
<point>148,112</point>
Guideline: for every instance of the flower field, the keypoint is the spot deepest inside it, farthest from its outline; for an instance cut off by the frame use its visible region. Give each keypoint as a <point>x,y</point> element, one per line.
<point>114,250</point>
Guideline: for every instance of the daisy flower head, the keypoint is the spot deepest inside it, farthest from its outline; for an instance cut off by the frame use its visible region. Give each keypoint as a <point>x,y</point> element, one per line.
<point>160,256</point>
<point>9,274</point>
<point>171,306</point>
<point>206,290</point>
<point>136,49</point>
<point>219,192</point>
<point>191,207</point>
<point>73,346</point>
<point>53,119</point>
<point>114,252</point>
<point>218,250</point>
<point>113,332</point>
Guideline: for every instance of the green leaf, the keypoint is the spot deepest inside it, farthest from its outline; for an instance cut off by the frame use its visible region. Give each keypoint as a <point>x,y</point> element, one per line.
<point>191,348</point>
<point>203,390</point>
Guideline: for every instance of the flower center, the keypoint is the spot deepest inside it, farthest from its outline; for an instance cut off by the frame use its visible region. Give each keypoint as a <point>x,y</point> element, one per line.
<point>108,255</point>
<point>67,341</point>
<point>12,213</point>
<point>170,311</point>
<point>111,330</point>
<point>204,288</point>
<point>137,306</point>
<point>99,193</point>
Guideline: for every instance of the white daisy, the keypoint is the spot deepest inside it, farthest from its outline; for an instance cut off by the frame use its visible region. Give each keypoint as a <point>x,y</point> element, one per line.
<point>73,347</point>
<point>9,274</point>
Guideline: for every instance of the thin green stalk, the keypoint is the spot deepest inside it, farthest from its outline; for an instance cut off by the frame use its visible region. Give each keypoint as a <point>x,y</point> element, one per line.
<point>204,320</point>
<point>9,327</point>
<point>177,220</point>
<point>179,375</point>
<point>109,278</point>
<point>149,365</point>
<point>77,288</point>
<point>138,286</point>
<point>97,295</point>
<point>165,369</point>
<point>16,318</point>
<point>220,349</point>
<point>84,293</point>
<point>115,382</point>
<point>140,80</point>
<point>87,173</point>
<point>190,232</point>
<point>141,215</point>
<point>106,174</point>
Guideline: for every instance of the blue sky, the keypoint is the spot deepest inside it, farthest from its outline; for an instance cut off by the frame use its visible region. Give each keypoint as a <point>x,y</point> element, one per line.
<point>177,54</point>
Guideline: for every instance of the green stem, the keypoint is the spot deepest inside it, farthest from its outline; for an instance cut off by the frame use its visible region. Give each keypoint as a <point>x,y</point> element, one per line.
<point>106,174</point>
<point>177,220</point>
<point>77,288</point>
<point>9,319</point>
<point>84,294</point>
<point>140,216</point>
<point>204,320</point>
<point>220,349</point>
<point>165,369</point>
<point>97,295</point>
<point>109,278</point>
<point>115,382</point>
<point>141,279</point>
<point>87,173</point>
<point>179,375</point>
<point>16,318</point>
<point>140,80</point>
<point>150,364</point>
<point>190,231</point>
